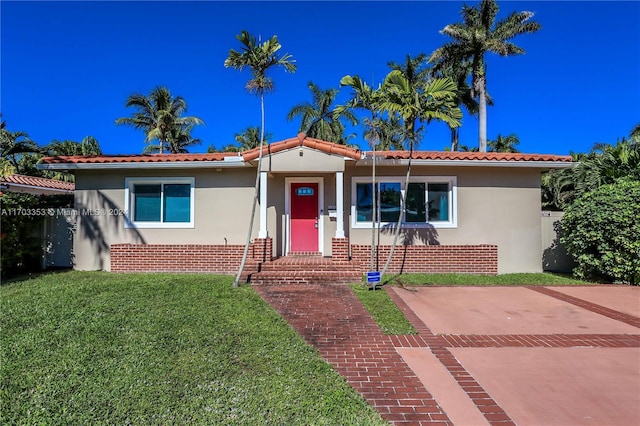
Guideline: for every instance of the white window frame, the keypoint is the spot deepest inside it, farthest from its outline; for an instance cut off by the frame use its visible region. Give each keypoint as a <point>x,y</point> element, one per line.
<point>129,205</point>
<point>452,181</point>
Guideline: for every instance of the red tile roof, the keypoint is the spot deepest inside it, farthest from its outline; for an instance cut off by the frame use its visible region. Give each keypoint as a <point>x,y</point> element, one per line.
<point>303,140</point>
<point>470,156</point>
<point>139,158</point>
<point>39,182</point>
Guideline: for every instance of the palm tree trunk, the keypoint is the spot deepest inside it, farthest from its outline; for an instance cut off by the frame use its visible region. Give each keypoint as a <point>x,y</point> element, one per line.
<point>455,136</point>
<point>403,203</point>
<point>374,216</point>
<point>482,114</point>
<point>256,194</point>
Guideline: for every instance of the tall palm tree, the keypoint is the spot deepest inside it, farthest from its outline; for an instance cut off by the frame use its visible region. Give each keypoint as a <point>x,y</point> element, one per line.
<point>416,102</point>
<point>458,69</point>
<point>259,58</point>
<point>320,119</point>
<point>366,98</point>
<point>159,115</point>
<point>504,143</point>
<point>382,133</point>
<point>477,35</point>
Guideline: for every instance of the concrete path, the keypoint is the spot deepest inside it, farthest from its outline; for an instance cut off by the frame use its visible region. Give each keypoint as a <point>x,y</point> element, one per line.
<point>483,355</point>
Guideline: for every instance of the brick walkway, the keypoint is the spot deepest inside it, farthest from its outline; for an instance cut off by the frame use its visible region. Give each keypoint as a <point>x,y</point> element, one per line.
<point>331,318</point>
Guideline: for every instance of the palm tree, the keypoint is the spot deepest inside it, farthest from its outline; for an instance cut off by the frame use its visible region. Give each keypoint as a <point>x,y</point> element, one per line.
<point>366,98</point>
<point>458,69</point>
<point>319,118</point>
<point>159,115</point>
<point>13,145</point>
<point>88,146</point>
<point>258,57</point>
<point>634,136</point>
<point>607,163</point>
<point>388,132</point>
<point>381,133</point>
<point>467,148</point>
<point>416,101</point>
<point>476,35</point>
<point>178,140</point>
<point>504,143</point>
<point>250,138</point>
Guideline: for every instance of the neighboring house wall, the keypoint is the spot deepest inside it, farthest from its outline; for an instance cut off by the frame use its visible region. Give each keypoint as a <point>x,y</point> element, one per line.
<point>58,239</point>
<point>554,256</point>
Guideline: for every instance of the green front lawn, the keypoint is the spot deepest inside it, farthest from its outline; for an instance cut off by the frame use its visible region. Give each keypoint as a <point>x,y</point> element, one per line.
<point>98,348</point>
<point>487,280</point>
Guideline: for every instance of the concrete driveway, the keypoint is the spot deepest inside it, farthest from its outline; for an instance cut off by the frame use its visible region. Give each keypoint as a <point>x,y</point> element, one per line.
<point>527,355</point>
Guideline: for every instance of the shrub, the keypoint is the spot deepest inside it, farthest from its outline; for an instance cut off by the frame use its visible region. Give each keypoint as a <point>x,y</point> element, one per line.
<point>21,221</point>
<point>602,233</point>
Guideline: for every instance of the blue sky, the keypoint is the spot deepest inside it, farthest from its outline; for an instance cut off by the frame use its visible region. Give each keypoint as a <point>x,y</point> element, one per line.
<point>67,68</point>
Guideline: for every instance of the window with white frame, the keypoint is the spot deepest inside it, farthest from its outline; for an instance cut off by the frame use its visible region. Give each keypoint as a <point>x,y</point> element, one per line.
<point>430,200</point>
<point>159,202</point>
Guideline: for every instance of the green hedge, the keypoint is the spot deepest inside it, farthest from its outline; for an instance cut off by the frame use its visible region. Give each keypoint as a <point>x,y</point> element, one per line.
<point>602,232</point>
<point>21,221</point>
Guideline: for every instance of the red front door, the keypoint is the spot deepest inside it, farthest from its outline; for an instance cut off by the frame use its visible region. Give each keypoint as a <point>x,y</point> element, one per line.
<point>304,216</point>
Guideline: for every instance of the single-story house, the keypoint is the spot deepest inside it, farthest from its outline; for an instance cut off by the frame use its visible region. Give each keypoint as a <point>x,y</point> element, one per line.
<point>466,211</point>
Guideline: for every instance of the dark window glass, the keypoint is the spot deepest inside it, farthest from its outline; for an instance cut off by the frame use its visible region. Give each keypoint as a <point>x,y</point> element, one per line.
<point>147,203</point>
<point>438,202</point>
<point>177,202</point>
<point>416,206</point>
<point>364,202</point>
<point>389,201</point>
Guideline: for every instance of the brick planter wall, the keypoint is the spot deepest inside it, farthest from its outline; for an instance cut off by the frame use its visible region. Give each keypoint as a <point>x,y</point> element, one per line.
<point>479,259</point>
<point>221,259</point>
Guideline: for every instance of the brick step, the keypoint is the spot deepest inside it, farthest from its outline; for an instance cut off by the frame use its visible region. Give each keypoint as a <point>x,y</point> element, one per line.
<point>306,277</point>
<point>307,266</point>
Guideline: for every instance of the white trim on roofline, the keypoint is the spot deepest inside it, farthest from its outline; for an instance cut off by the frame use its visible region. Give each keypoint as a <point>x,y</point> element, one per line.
<point>472,163</point>
<point>145,165</point>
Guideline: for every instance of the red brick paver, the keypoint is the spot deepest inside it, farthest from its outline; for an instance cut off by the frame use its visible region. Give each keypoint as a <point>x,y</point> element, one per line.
<point>333,320</point>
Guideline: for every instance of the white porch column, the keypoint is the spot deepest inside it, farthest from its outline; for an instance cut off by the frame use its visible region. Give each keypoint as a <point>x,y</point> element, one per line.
<point>262,232</point>
<point>340,204</point>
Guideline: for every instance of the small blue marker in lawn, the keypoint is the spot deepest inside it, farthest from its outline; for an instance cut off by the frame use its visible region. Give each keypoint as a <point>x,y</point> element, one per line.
<point>373,277</point>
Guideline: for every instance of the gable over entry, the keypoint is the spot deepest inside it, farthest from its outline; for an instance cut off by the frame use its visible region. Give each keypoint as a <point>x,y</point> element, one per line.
<point>304,160</point>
